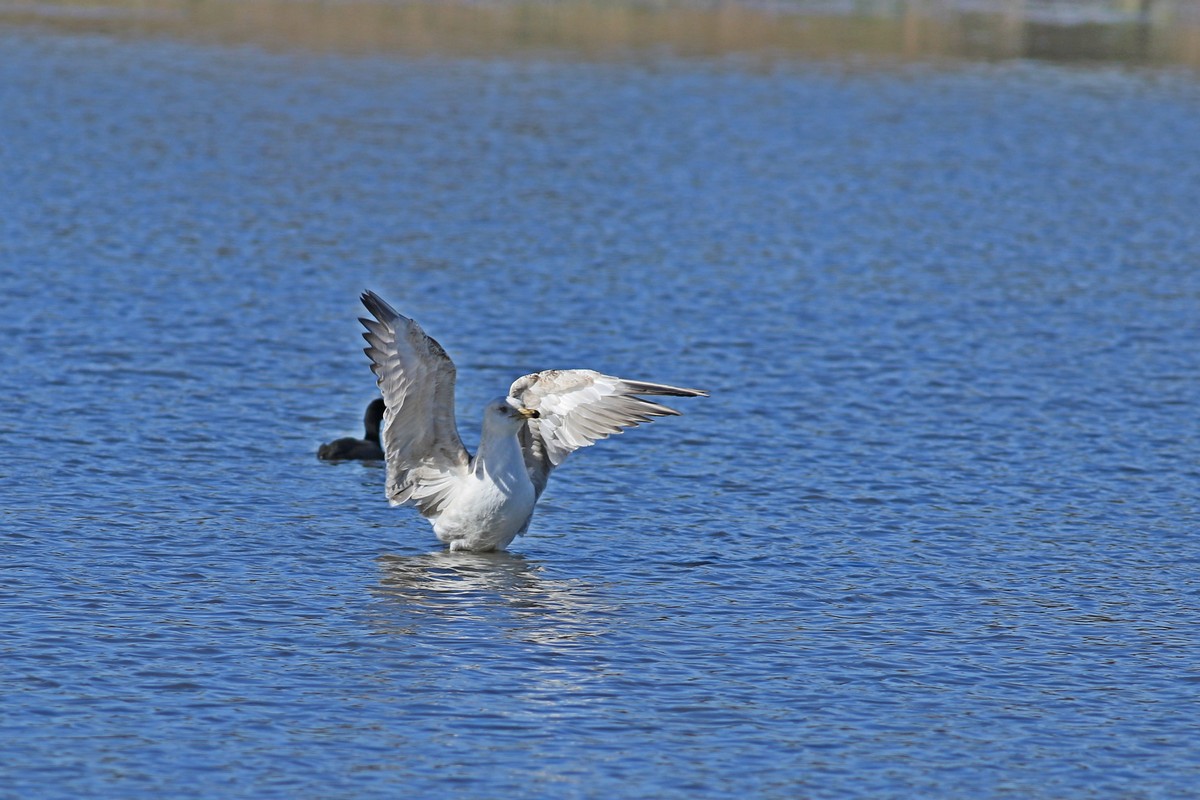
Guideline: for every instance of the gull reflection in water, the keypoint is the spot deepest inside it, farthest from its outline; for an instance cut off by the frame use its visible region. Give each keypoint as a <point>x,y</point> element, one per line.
<point>444,586</point>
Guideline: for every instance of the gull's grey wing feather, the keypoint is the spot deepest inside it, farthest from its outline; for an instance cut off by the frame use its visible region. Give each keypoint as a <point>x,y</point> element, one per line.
<point>425,455</point>
<point>577,408</point>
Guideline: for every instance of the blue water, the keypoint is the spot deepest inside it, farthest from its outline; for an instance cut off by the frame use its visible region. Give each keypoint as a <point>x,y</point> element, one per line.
<point>935,532</point>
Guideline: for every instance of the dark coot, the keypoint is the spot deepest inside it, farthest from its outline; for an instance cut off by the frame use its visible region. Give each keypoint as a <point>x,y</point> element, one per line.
<point>351,449</point>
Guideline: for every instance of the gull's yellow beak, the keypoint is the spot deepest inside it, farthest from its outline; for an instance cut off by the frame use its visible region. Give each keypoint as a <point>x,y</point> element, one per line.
<point>528,413</point>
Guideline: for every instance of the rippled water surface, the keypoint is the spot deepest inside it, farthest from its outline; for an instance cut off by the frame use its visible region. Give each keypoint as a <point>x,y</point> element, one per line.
<point>934,533</point>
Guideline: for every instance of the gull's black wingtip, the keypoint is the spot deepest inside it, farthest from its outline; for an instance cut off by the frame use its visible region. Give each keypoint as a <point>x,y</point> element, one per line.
<point>377,306</point>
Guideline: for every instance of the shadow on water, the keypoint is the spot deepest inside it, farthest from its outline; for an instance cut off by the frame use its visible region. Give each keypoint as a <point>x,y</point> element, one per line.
<point>443,586</point>
<point>1124,31</point>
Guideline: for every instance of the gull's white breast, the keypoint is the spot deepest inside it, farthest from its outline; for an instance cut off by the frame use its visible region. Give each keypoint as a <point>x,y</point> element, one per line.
<point>489,509</point>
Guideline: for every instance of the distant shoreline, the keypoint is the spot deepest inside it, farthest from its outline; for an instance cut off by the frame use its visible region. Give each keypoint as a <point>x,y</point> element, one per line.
<point>1151,32</point>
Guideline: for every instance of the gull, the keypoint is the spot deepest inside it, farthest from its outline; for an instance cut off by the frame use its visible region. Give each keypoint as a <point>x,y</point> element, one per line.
<point>482,502</point>
<point>364,449</point>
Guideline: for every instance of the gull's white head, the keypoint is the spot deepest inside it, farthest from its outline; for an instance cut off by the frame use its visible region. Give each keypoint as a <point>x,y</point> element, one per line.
<point>506,414</point>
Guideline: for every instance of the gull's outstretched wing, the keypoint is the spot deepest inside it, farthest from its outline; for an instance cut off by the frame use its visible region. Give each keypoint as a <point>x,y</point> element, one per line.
<point>577,408</point>
<point>425,456</point>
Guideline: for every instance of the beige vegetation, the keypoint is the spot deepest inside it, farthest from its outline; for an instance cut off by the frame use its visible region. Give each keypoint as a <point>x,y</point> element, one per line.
<point>1142,31</point>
